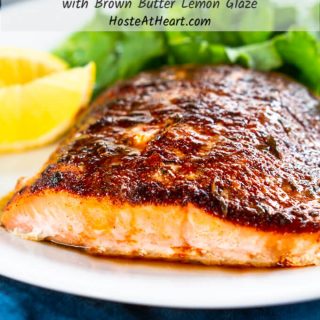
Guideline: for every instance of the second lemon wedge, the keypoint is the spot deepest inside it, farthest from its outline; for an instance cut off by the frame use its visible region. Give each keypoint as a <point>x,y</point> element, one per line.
<point>37,112</point>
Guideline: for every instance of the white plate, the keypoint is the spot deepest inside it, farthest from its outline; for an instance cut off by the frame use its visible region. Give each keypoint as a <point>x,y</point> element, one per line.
<point>159,284</point>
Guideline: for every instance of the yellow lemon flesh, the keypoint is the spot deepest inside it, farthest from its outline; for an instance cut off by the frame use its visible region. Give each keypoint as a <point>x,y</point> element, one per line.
<point>19,66</point>
<point>35,113</point>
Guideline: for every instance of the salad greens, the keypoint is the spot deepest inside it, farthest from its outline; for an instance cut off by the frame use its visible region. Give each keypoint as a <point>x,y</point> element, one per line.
<point>118,55</point>
<point>121,54</point>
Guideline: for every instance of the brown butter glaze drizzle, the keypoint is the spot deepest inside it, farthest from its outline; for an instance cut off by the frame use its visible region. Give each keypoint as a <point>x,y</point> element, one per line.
<point>240,144</point>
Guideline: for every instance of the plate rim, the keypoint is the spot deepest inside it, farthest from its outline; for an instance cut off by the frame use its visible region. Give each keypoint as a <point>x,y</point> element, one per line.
<point>43,271</point>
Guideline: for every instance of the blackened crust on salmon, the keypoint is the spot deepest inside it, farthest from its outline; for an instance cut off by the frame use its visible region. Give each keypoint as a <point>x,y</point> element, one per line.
<point>240,144</point>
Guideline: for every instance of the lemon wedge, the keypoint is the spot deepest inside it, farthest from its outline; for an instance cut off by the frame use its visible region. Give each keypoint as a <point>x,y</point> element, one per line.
<point>37,112</point>
<point>19,66</point>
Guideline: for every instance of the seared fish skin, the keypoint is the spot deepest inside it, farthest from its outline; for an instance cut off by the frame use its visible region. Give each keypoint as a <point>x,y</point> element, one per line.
<point>219,165</point>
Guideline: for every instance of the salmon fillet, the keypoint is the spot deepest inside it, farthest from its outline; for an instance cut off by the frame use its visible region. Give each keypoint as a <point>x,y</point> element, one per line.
<point>218,165</point>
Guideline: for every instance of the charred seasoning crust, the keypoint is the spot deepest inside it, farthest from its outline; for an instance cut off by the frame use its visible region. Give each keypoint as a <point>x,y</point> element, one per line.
<point>240,144</point>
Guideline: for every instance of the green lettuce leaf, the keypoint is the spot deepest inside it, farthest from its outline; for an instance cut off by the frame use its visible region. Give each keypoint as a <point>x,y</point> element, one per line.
<point>195,47</point>
<point>301,50</point>
<point>263,56</point>
<point>119,55</point>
